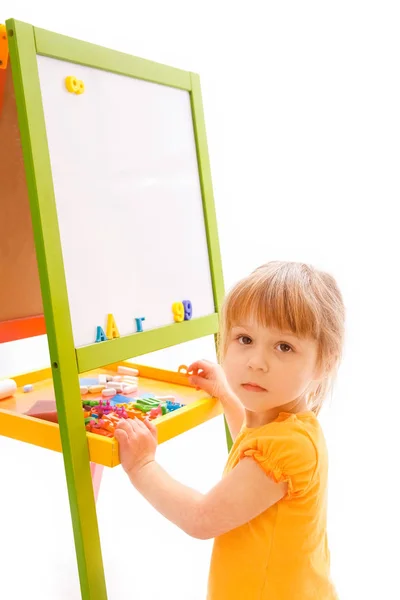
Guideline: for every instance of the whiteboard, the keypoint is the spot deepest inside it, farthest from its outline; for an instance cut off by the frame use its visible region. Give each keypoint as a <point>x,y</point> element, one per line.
<point>128,199</point>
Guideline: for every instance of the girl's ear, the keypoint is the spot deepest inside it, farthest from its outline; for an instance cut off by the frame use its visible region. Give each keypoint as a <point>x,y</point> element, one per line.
<point>319,374</point>
<point>323,371</point>
<point>314,386</point>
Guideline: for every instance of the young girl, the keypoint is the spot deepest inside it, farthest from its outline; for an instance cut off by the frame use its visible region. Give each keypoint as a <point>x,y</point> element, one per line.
<point>281,340</point>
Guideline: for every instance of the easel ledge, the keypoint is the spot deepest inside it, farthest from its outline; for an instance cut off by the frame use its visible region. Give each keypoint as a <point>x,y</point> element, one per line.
<point>102,450</point>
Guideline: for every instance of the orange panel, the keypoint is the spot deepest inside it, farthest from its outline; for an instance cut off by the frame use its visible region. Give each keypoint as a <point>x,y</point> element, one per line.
<point>3,48</point>
<point>19,329</point>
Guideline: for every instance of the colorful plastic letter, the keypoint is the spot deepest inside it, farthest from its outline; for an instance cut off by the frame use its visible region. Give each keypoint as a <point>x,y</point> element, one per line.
<point>112,329</point>
<point>100,335</point>
<point>179,312</point>
<point>74,85</point>
<point>139,326</point>
<point>188,309</point>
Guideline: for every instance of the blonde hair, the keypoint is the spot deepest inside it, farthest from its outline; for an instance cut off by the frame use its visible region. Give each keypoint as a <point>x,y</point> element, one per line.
<point>297,297</point>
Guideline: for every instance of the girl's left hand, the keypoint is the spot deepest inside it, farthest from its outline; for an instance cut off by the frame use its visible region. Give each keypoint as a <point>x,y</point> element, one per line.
<point>137,443</point>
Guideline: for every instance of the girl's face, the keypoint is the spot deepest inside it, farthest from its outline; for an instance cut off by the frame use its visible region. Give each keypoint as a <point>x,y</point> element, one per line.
<point>268,368</point>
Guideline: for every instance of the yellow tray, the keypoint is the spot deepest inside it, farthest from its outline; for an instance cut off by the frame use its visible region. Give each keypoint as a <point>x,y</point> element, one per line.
<point>16,424</point>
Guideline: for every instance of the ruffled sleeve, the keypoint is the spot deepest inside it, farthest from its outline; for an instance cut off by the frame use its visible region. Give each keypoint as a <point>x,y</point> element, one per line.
<point>285,456</point>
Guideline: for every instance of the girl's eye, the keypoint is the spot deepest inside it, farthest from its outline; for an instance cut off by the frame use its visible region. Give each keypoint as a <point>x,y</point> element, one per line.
<point>244,339</point>
<point>286,348</point>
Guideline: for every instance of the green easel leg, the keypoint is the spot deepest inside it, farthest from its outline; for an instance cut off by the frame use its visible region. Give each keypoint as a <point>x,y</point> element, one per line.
<point>56,308</point>
<point>229,440</point>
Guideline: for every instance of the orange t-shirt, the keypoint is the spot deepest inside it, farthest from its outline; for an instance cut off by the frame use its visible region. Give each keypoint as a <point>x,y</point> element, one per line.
<point>283,553</point>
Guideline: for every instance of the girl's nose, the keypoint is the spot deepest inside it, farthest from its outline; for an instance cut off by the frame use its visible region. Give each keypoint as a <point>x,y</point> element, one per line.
<point>258,362</point>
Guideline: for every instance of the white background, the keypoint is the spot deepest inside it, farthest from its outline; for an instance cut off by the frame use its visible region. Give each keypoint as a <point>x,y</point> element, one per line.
<point>128,198</point>
<point>302,112</point>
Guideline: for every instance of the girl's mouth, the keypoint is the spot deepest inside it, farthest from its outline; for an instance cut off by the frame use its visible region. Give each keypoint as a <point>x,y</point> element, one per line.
<point>253,387</point>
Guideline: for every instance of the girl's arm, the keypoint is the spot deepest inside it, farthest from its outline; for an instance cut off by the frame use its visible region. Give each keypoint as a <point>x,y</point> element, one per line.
<point>241,496</point>
<point>210,377</point>
<point>234,413</point>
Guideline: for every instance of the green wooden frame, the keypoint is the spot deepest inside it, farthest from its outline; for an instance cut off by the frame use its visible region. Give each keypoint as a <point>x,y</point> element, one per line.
<point>25,43</point>
<point>105,353</point>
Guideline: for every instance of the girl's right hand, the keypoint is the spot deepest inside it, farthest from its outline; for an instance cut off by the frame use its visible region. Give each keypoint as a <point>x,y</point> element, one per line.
<point>211,378</point>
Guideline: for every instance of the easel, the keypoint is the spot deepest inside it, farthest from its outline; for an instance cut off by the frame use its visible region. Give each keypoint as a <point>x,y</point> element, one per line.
<point>68,360</point>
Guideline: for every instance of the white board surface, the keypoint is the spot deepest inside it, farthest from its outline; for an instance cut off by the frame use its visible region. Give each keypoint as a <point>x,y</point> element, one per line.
<point>128,199</point>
